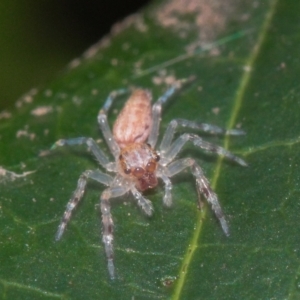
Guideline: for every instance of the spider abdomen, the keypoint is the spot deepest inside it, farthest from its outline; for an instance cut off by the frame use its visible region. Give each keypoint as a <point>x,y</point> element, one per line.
<point>134,122</point>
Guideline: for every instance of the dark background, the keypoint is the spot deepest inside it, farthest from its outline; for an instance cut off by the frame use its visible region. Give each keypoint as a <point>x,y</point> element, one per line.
<point>38,38</point>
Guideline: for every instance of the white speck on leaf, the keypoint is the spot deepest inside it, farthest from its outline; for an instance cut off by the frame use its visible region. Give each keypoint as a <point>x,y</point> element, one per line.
<point>41,111</point>
<point>5,114</point>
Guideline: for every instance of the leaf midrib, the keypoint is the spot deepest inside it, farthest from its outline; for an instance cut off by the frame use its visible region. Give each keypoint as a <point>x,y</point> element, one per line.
<point>245,79</point>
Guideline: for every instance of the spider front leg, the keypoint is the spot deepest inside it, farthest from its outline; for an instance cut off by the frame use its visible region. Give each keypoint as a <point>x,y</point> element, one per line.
<point>167,200</point>
<point>144,203</point>
<point>108,224</point>
<point>77,195</point>
<point>203,186</point>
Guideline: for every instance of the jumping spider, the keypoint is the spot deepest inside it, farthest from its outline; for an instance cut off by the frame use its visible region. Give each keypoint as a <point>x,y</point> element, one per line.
<point>137,164</point>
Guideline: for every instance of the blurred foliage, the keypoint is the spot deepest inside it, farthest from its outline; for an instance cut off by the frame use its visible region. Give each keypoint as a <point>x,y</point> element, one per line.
<point>38,38</point>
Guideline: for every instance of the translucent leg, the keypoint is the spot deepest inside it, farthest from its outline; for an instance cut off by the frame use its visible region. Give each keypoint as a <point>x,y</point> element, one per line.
<point>167,200</point>
<point>212,129</point>
<point>108,225</point>
<point>102,120</point>
<point>203,187</point>
<point>156,109</point>
<point>212,198</point>
<point>144,203</point>
<point>92,146</point>
<point>77,195</point>
<point>175,148</point>
<point>111,98</point>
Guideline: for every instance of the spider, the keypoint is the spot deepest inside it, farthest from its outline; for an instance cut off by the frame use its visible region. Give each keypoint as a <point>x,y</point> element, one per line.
<point>136,162</point>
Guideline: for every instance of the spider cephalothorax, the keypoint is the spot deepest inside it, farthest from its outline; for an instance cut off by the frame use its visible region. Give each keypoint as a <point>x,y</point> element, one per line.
<point>136,162</point>
<point>139,162</point>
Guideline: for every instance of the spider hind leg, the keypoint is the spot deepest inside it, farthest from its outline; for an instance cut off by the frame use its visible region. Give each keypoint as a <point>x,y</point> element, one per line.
<point>203,187</point>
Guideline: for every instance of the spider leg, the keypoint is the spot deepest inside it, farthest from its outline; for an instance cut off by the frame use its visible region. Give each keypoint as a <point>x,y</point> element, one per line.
<point>156,109</point>
<point>108,224</point>
<point>211,129</point>
<point>177,145</point>
<point>203,186</point>
<point>167,200</point>
<point>77,195</point>
<point>144,203</point>
<point>92,146</point>
<point>102,120</point>
<point>111,98</point>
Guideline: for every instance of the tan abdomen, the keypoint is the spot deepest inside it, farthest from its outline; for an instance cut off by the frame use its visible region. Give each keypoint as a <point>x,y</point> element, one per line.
<point>134,122</point>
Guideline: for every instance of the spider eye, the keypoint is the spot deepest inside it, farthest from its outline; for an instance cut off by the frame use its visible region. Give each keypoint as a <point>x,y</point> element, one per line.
<point>151,166</point>
<point>127,170</point>
<point>138,172</point>
<point>157,158</point>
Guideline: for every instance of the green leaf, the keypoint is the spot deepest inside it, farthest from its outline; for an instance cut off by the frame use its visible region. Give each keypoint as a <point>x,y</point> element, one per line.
<point>247,77</point>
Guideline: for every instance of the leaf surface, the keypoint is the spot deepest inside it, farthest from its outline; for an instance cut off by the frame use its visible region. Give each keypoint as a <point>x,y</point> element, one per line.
<point>248,80</point>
